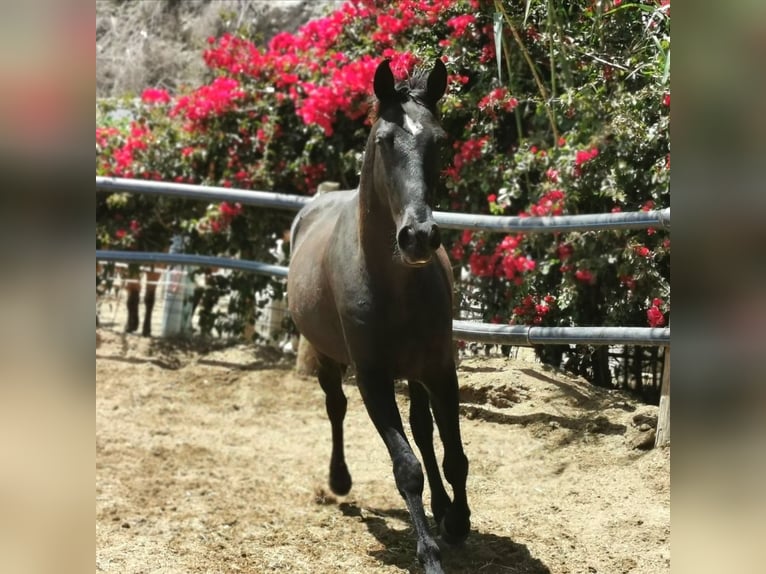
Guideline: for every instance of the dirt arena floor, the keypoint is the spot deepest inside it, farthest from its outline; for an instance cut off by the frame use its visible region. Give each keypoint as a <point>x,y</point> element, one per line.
<point>215,460</point>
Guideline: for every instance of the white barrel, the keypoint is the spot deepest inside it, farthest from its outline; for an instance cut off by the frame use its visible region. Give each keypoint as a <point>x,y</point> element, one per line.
<point>178,292</point>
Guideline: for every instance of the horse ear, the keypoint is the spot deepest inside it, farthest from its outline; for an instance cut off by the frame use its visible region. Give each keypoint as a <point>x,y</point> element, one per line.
<point>437,82</point>
<point>385,90</point>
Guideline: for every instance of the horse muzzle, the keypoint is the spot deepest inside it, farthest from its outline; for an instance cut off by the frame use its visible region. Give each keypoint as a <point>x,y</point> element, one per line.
<point>418,242</point>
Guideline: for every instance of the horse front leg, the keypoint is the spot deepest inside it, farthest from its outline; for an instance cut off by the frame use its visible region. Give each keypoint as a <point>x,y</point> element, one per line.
<point>444,394</point>
<point>422,427</point>
<point>378,395</point>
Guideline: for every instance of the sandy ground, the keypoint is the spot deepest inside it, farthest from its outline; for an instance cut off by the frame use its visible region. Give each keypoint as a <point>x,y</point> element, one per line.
<point>215,460</point>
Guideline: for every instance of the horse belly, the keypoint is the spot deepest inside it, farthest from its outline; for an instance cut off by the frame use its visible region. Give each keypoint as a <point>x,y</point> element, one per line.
<point>310,300</point>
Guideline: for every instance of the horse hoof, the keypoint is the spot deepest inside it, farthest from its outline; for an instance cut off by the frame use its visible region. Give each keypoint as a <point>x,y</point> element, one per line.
<point>429,556</point>
<point>452,534</point>
<point>340,481</point>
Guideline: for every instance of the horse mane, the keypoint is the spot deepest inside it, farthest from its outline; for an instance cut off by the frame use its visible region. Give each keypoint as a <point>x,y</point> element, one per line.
<point>413,88</point>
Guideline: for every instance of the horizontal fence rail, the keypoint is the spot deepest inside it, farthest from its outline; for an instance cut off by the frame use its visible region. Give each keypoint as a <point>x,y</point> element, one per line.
<point>244,196</point>
<point>192,261</point>
<point>558,223</point>
<point>492,223</point>
<point>528,335</point>
<point>461,330</point>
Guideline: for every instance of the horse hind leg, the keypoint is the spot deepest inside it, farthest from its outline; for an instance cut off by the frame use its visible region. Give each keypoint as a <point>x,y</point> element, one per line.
<point>330,375</point>
<point>133,287</point>
<point>421,424</point>
<point>152,277</point>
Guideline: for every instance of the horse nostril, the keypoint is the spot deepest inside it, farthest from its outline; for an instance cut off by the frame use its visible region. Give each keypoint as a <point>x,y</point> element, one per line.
<point>406,237</point>
<point>434,238</point>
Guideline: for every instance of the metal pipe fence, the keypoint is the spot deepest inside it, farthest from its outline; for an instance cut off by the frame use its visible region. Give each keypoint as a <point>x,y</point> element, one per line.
<point>462,330</point>
<point>492,223</point>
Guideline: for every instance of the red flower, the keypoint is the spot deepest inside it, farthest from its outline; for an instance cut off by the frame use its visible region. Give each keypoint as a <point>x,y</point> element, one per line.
<point>564,251</point>
<point>628,281</point>
<point>666,100</point>
<point>460,23</point>
<point>642,250</point>
<point>492,198</point>
<point>154,96</point>
<point>550,203</point>
<point>230,211</point>
<point>508,244</point>
<point>468,152</point>
<point>584,276</point>
<point>498,99</point>
<point>584,156</point>
<point>655,317</point>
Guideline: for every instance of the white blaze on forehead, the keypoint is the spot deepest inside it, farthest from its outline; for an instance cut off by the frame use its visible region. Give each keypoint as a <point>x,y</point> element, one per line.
<point>412,126</point>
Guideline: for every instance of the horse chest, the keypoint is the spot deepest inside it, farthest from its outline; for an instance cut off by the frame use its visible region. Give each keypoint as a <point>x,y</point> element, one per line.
<point>400,320</point>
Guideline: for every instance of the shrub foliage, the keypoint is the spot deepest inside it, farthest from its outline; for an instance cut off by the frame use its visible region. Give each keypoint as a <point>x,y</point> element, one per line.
<point>552,108</point>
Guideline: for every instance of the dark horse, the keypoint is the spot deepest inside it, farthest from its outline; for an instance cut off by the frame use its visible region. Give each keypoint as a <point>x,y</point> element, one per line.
<point>370,285</point>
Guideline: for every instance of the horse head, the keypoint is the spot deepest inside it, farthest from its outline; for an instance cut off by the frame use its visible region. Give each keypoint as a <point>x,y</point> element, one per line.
<point>406,139</point>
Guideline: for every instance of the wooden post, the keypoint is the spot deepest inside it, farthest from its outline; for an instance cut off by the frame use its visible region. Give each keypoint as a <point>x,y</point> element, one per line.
<point>663,420</point>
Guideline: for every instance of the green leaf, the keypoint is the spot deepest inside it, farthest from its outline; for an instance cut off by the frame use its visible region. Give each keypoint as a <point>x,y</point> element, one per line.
<point>498,28</point>
<point>526,11</point>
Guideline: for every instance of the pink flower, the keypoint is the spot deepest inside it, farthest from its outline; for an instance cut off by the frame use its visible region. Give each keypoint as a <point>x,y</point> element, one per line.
<point>459,24</point>
<point>154,96</point>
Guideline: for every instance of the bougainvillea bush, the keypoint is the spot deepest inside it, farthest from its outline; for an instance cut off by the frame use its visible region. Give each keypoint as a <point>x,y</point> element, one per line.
<point>572,118</point>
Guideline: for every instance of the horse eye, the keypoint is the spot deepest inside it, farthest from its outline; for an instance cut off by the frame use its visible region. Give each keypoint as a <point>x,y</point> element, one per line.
<point>384,138</point>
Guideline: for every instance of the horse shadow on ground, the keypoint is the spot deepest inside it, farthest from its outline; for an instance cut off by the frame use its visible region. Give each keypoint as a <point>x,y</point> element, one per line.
<point>481,552</point>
